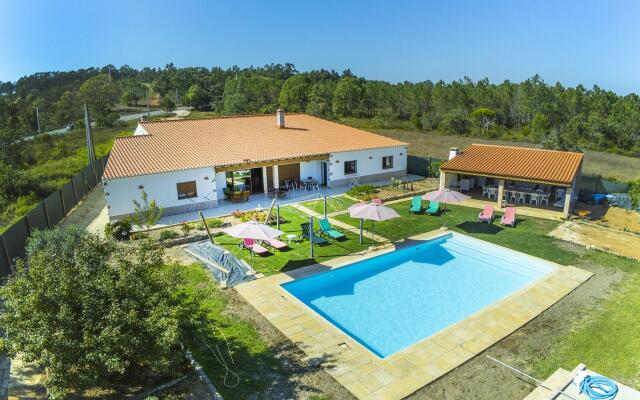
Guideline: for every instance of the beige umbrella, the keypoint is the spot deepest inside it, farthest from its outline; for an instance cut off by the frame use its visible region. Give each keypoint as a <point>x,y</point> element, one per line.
<point>371,212</point>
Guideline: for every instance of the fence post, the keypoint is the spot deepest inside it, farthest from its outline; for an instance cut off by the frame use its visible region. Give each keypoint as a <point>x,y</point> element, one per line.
<point>75,192</point>
<point>6,251</point>
<point>46,213</point>
<point>64,208</point>
<point>28,222</point>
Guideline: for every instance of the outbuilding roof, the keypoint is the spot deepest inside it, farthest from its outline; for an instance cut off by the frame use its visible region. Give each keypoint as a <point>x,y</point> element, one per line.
<point>175,145</point>
<point>521,163</point>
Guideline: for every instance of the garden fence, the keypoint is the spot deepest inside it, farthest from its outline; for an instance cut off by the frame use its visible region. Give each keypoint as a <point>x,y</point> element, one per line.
<point>418,165</point>
<point>48,213</point>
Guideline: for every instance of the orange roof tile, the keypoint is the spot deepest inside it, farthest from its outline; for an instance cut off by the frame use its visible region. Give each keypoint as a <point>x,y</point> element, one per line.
<point>213,142</point>
<point>549,166</point>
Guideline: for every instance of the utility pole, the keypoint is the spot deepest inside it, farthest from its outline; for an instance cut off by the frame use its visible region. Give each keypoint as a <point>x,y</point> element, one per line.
<point>87,126</point>
<point>38,119</point>
<point>148,114</point>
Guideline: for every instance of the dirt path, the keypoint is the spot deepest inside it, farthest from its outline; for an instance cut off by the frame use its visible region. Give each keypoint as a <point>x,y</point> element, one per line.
<point>622,243</point>
<point>90,213</point>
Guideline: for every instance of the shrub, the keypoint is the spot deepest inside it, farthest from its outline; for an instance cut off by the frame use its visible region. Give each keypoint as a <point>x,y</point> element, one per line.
<point>362,192</point>
<point>168,234</point>
<point>634,193</point>
<point>186,228</point>
<point>119,230</point>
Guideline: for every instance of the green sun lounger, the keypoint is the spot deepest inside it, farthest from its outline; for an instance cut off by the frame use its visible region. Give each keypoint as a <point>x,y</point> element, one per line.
<point>433,209</point>
<point>305,234</point>
<point>416,205</point>
<point>327,229</point>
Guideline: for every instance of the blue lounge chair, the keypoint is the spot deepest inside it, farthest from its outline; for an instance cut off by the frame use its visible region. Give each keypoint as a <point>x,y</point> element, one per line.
<point>306,235</point>
<point>416,205</point>
<point>434,208</point>
<point>327,229</point>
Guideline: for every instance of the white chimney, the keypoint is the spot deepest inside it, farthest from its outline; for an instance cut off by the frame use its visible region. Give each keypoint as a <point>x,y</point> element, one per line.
<point>280,117</point>
<point>454,151</point>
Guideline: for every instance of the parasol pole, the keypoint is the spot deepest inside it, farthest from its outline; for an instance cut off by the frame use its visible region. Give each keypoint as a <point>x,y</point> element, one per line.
<point>361,223</point>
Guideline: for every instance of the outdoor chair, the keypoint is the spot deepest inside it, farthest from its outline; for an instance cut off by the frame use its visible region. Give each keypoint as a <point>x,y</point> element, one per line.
<point>416,205</point>
<point>253,247</point>
<point>306,234</point>
<point>509,217</point>
<point>327,229</point>
<point>434,208</point>
<point>485,191</point>
<point>275,244</point>
<point>522,198</point>
<point>544,198</point>
<point>534,198</point>
<point>486,215</point>
<point>513,197</point>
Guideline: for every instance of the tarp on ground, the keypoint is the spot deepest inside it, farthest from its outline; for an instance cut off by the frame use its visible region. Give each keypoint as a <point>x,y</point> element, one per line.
<point>227,268</point>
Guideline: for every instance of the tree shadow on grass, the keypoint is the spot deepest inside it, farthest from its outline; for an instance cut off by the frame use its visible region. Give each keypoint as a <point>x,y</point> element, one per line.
<point>480,227</point>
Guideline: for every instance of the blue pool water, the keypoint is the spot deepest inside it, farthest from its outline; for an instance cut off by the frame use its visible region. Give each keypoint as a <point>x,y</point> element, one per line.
<point>391,301</point>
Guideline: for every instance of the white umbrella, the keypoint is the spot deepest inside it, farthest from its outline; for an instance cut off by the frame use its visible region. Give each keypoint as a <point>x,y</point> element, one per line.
<point>372,212</point>
<point>445,196</point>
<point>252,230</point>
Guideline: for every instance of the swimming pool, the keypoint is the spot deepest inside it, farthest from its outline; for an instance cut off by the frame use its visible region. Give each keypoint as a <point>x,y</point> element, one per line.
<point>394,300</point>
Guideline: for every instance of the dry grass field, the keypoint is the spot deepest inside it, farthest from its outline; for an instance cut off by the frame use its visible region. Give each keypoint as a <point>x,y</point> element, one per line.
<point>436,145</point>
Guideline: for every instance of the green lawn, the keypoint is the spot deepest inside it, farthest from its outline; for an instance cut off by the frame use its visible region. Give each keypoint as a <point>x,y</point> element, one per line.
<point>529,236</point>
<point>298,254</point>
<point>253,362</point>
<point>334,204</point>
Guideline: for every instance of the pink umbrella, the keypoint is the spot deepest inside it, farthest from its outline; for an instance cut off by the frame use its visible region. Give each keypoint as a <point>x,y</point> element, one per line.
<point>445,196</point>
<point>252,230</point>
<point>372,212</point>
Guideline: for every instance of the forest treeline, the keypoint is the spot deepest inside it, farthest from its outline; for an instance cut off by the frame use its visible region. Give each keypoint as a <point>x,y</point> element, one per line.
<point>559,117</point>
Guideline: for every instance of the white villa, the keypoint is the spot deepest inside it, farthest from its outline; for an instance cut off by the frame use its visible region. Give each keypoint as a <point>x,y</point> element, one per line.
<point>203,163</point>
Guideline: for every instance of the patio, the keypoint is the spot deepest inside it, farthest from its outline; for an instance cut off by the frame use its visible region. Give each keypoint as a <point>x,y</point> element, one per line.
<point>262,200</point>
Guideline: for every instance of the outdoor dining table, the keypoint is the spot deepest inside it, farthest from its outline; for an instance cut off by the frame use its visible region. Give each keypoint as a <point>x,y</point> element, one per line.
<point>309,183</point>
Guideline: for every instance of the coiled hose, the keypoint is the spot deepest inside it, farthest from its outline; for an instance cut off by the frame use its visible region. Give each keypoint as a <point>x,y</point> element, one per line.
<point>598,388</point>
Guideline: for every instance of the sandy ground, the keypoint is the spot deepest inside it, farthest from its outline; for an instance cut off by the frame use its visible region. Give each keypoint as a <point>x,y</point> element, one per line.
<point>90,213</point>
<point>621,219</point>
<point>626,244</point>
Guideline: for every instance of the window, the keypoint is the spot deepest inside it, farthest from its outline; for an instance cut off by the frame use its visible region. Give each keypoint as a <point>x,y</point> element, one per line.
<point>350,167</point>
<point>387,162</point>
<point>187,190</point>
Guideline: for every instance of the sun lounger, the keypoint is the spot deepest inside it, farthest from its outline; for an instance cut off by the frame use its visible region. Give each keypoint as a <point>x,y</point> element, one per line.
<point>416,205</point>
<point>275,244</point>
<point>509,217</point>
<point>486,215</point>
<point>327,229</point>
<point>434,208</point>
<point>254,247</point>
<point>306,235</point>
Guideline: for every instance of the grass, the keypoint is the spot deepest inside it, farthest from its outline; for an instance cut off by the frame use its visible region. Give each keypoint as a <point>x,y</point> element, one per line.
<point>334,204</point>
<point>434,144</point>
<point>253,362</point>
<point>298,254</point>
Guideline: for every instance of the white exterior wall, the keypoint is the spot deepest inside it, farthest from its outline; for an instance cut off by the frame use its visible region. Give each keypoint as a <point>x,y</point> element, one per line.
<point>120,193</point>
<point>310,169</point>
<point>221,184</point>
<point>369,162</point>
<point>140,131</point>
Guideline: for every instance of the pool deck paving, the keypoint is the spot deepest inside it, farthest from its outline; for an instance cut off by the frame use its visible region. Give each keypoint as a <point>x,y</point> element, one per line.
<point>369,377</point>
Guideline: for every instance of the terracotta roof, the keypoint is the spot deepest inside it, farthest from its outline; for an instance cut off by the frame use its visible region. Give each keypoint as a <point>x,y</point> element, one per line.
<point>549,166</point>
<point>214,142</point>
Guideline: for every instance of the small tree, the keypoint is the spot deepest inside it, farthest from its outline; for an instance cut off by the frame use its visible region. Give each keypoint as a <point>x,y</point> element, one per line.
<point>93,313</point>
<point>483,118</point>
<point>167,103</point>
<point>146,213</point>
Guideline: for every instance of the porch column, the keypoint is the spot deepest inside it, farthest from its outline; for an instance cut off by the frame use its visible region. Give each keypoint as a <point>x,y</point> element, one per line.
<point>276,177</point>
<point>443,180</point>
<point>567,202</point>
<point>500,193</point>
<point>265,180</point>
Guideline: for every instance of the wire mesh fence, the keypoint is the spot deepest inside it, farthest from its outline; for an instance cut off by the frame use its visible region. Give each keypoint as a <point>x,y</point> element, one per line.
<point>48,213</point>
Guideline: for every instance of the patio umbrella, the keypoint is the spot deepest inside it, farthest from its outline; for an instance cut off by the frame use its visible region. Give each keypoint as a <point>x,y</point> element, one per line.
<point>445,196</point>
<point>252,230</point>
<point>372,212</point>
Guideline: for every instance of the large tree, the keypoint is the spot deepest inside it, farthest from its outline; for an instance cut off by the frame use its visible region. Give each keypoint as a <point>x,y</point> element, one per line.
<point>293,96</point>
<point>101,94</point>
<point>347,97</point>
<point>93,313</point>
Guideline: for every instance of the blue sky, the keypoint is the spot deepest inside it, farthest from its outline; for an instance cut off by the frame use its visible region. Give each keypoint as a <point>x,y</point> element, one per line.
<point>588,42</point>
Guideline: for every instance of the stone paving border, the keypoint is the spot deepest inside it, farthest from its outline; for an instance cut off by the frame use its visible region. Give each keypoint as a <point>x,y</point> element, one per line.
<point>369,377</point>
